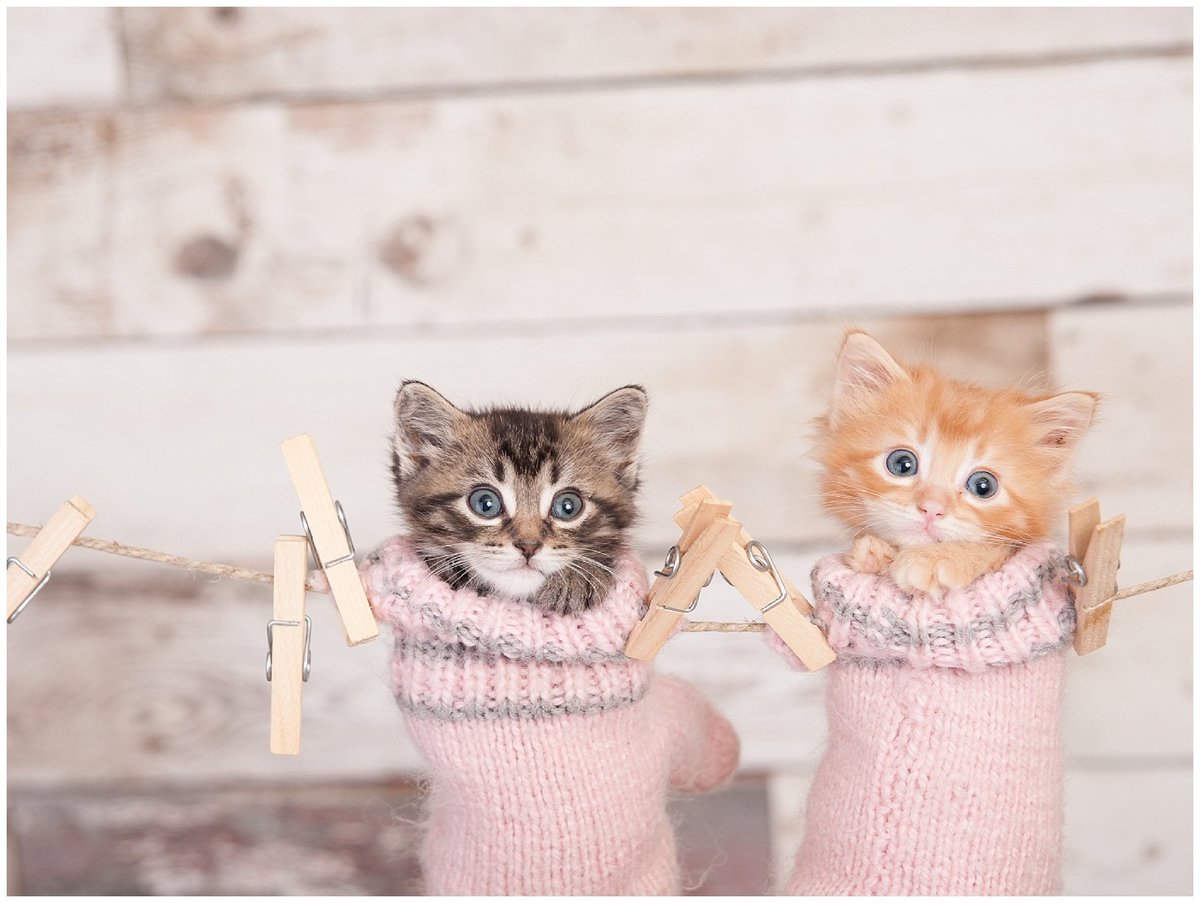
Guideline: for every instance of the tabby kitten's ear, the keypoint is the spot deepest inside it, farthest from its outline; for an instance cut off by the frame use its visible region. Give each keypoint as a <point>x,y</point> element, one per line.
<point>426,424</point>
<point>1063,419</point>
<point>863,367</point>
<point>615,423</point>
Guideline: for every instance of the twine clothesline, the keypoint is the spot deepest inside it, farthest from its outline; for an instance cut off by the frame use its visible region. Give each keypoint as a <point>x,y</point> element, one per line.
<point>217,569</point>
<point>115,548</point>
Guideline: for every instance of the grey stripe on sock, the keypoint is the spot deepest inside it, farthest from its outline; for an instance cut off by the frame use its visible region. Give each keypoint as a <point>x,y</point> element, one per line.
<point>511,649</point>
<point>525,709</point>
<point>891,630</point>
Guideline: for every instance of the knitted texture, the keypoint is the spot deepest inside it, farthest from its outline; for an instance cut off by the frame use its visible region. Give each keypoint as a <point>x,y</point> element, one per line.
<point>942,772</point>
<point>461,655</point>
<point>550,752</point>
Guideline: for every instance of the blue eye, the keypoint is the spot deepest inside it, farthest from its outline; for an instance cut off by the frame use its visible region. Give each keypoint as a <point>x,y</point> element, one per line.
<point>982,484</point>
<point>566,505</point>
<point>485,502</point>
<point>902,463</point>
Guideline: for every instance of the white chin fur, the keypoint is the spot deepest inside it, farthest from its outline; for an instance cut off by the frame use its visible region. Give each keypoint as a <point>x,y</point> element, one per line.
<point>517,584</point>
<point>509,576</point>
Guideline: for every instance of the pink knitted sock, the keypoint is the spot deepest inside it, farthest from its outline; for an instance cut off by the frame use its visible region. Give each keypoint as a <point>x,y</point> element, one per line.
<point>550,752</point>
<point>942,772</point>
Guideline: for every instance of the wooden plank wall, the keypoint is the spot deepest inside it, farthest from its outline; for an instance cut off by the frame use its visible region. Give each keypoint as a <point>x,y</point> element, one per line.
<point>229,226</point>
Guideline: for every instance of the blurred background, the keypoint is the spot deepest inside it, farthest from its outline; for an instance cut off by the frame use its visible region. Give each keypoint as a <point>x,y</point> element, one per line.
<point>228,226</point>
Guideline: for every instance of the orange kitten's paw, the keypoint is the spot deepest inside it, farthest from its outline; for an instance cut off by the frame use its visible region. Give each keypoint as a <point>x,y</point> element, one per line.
<point>870,555</point>
<point>955,573</point>
<point>939,567</point>
<point>916,570</point>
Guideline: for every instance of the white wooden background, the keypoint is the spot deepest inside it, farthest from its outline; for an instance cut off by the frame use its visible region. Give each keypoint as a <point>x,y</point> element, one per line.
<point>227,227</point>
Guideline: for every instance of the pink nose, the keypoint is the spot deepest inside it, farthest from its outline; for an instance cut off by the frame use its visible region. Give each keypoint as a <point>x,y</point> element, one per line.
<point>528,547</point>
<point>931,509</point>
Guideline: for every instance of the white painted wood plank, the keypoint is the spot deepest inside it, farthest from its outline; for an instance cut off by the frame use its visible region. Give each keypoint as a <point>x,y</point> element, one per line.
<point>60,244</point>
<point>1141,361</point>
<point>164,681</point>
<point>931,191</point>
<point>1128,830</point>
<point>1133,697</point>
<point>235,839</point>
<point>730,406</point>
<point>63,57</point>
<point>216,54</point>
<point>177,446</point>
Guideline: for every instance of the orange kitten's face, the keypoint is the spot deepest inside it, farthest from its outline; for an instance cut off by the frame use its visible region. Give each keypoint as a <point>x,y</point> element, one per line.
<point>914,457</point>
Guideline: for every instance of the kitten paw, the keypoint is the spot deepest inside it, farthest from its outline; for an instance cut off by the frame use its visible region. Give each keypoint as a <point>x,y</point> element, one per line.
<point>955,574</point>
<point>870,555</point>
<point>567,591</point>
<point>937,568</point>
<point>917,570</point>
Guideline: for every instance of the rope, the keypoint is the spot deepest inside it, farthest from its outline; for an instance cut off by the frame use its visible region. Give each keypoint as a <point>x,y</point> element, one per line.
<point>724,626</point>
<point>1151,585</point>
<point>227,570</point>
<point>110,547</point>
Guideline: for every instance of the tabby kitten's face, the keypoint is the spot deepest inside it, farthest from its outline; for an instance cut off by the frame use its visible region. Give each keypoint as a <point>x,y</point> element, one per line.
<point>914,457</point>
<point>520,504</point>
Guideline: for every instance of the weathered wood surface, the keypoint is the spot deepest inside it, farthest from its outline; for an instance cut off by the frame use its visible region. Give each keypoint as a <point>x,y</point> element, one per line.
<point>931,190</point>
<point>163,681</point>
<point>1129,832</point>
<point>223,54</point>
<point>1140,360</point>
<point>64,57</point>
<point>209,54</point>
<point>178,444</point>
<point>683,197</point>
<point>730,406</point>
<point>1140,683</point>
<point>336,839</point>
<point>221,840</point>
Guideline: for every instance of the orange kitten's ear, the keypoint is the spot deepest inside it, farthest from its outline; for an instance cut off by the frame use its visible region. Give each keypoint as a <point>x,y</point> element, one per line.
<point>863,365</point>
<point>1063,419</point>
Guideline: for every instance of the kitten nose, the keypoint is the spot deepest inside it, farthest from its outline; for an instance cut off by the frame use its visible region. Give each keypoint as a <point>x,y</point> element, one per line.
<point>931,509</point>
<point>528,547</point>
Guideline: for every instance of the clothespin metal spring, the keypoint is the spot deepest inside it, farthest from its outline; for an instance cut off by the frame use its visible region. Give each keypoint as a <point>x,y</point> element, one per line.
<point>762,561</point>
<point>20,608</point>
<point>670,566</point>
<point>53,539</point>
<point>1076,575</point>
<point>758,556</point>
<point>341,516</point>
<point>307,642</point>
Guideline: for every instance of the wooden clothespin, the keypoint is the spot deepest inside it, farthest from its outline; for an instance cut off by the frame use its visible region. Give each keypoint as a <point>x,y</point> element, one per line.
<point>289,644</point>
<point>1095,556</point>
<point>748,567</point>
<point>328,536</point>
<point>29,573</point>
<point>688,569</point>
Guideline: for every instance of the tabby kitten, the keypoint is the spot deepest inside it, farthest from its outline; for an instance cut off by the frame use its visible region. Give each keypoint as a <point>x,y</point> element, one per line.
<point>520,504</point>
<point>942,479</point>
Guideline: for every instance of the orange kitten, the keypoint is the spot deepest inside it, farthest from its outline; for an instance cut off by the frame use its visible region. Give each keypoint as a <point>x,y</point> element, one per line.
<point>941,479</point>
